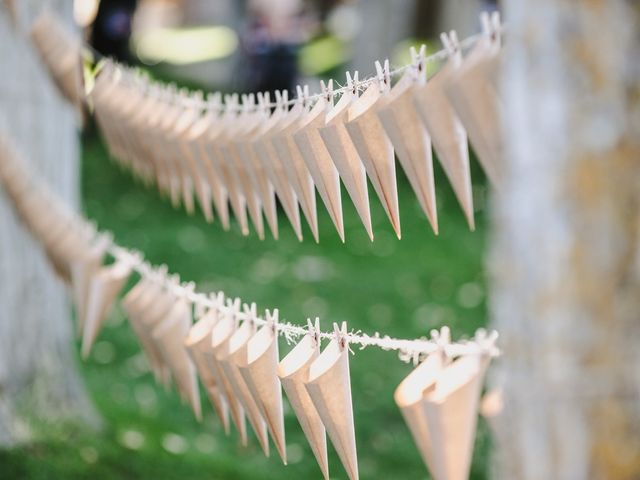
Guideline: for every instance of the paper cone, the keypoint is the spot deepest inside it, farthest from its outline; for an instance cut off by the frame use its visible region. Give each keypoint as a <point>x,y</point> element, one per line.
<point>452,410</point>
<point>220,336</point>
<point>170,335</point>
<point>412,143</point>
<point>277,174</point>
<point>346,158</point>
<point>293,372</point>
<point>215,147</point>
<point>261,377</point>
<point>136,301</point>
<point>231,363</point>
<point>477,106</point>
<point>195,146</point>
<point>198,342</point>
<point>318,161</point>
<point>329,387</point>
<point>294,166</point>
<point>103,290</point>
<point>447,134</point>
<point>82,270</point>
<point>375,149</point>
<point>409,396</point>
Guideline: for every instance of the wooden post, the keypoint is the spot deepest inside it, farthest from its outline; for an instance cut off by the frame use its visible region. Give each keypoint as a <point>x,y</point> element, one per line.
<point>565,263</point>
<point>38,375</point>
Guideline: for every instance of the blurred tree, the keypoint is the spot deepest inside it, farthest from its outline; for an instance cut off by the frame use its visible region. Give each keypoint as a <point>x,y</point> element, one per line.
<point>39,381</point>
<point>566,265</point>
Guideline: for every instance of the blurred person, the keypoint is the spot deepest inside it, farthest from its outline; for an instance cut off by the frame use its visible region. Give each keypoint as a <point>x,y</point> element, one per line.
<point>112,29</point>
<point>270,41</point>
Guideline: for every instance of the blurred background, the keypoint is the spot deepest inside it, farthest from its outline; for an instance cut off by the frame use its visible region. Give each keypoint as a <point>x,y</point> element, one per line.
<point>402,288</point>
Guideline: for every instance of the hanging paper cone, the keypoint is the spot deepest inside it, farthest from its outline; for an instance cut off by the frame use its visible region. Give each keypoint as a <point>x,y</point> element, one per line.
<point>477,106</point>
<point>451,409</point>
<point>409,396</point>
<point>375,149</point>
<point>137,300</point>
<point>277,174</point>
<point>346,158</point>
<point>195,147</point>
<point>329,387</point>
<point>231,364</point>
<point>295,167</point>
<point>447,134</point>
<point>412,143</point>
<point>103,290</point>
<point>318,161</point>
<point>220,336</point>
<point>261,377</point>
<point>197,343</point>
<point>293,372</point>
<point>170,335</point>
<point>82,270</point>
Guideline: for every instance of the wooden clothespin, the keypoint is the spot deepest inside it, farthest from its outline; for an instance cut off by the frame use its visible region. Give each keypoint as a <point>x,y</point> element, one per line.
<point>313,329</point>
<point>383,76</point>
<point>352,83</point>
<point>272,319</point>
<point>418,62</point>
<point>327,90</point>
<point>303,95</point>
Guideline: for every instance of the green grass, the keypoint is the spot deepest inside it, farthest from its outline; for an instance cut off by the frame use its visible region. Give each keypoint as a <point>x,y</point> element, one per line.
<point>402,288</point>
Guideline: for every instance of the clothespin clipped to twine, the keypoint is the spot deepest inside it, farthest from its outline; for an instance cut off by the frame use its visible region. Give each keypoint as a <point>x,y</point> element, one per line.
<point>327,91</point>
<point>233,310</point>
<point>231,102</point>
<point>418,63</point>
<point>486,342</point>
<point>442,339</point>
<point>248,103</point>
<point>313,329</point>
<point>214,102</point>
<point>451,45</point>
<point>352,83</point>
<point>303,96</point>
<point>340,333</point>
<point>383,76</point>
<point>272,320</point>
<point>496,29</point>
<point>250,314</point>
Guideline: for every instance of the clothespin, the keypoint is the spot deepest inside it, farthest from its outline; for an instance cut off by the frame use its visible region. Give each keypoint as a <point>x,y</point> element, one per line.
<point>214,102</point>
<point>233,310</point>
<point>418,62</point>
<point>250,314</point>
<point>485,24</point>
<point>442,339</point>
<point>496,28</point>
<point>231,103</point>
<point>327,90</point>
<point>303,95</point>
<point>486,342</point>
<point>340,333</point>
<point>314,329</point>
<point>272,319</point>
<point>383,76</point>
<point>352,83</point>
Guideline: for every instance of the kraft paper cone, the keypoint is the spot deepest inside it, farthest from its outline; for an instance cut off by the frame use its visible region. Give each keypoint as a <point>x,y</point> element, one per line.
<point>375,149</point>
<point>293,164</point>
<point>195,147</point>
<point>477,106</point>
<point>198,342</point>
<point>233,157</point>
<point>452,410</point>
<point>318,161</point>
<point>165,147</point>
<point>261,377</point>
<point>293,372</point>
<point>231,364</point>
<point>137,300</point>
<point>346,158</point>
<point>215,145</point>
<point>278,175</point>
<point>412,143</point>
<point>220,336</point>
<point>82,270</point>
<point>447,134</point>
<point>103,290</point>
<point>170,335</point>
<point>409,396</point>
<point>329,387</point>
<point>260,178</point>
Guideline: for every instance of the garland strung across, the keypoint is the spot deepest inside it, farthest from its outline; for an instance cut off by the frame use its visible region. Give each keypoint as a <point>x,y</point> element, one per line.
<point>246,152</point>
<point>234,352</point>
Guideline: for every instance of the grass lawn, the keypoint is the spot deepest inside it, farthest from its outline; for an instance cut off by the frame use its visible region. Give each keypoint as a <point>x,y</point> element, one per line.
<point>402,288</point>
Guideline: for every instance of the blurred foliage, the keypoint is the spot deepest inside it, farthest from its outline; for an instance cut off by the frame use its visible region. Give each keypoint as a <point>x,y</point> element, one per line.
<point>402,288</point>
